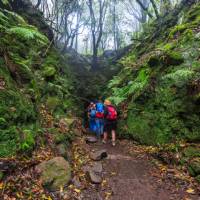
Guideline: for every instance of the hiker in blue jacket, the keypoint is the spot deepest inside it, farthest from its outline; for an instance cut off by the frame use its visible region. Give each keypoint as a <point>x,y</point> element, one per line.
<point>99,118</point>
<point>92,117</point>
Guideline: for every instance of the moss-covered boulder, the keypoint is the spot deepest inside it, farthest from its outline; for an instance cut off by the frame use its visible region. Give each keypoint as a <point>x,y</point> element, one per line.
<point>55,173</point>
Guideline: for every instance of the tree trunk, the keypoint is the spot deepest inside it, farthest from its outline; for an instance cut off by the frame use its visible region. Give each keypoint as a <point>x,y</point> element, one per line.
<point>38,4</point>
<point>155,8</point>
<point>144,8</point>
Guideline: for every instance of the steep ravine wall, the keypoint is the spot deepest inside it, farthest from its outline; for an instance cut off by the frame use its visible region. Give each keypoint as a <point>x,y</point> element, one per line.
<point>36,84</point>
<point>158,89</point>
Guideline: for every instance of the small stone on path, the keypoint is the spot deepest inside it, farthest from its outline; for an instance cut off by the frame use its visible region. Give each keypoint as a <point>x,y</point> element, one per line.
<point>97,167</point>
<point>91,139</point>
<point>76,182</point>
<point>93,177</point>
<point>98,155</point>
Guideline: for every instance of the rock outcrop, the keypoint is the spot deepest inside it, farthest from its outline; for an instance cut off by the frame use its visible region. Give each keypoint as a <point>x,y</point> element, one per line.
<point>55,173</point>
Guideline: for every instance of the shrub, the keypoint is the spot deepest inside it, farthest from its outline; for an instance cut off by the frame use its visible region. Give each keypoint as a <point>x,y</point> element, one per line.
<point>27,141</point>
<point>28,33</point>
<point>52,103</point>
<point>49,71</point>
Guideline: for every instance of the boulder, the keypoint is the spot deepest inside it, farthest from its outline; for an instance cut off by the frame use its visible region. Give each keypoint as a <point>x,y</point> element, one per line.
<point>54,173</point>
<point>91,139</point>
<point>94,177</point>
<point>98,155</point>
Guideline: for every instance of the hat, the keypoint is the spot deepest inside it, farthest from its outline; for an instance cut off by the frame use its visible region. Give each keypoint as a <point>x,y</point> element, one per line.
<point>107,102</point>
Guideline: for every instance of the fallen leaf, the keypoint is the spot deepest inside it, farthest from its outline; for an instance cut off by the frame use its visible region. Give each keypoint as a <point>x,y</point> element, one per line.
<point>1,186</point>
<point>113,173</point>
<point>190,191</point>
<point>77,190</point>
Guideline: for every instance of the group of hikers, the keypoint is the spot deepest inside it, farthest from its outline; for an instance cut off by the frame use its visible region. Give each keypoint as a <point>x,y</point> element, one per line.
<point>103,120</point>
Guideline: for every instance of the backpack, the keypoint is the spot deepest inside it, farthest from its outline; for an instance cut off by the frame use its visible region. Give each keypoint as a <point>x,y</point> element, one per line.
<point>112,113</point>
<point>92,113</point>
<point>100,110</point>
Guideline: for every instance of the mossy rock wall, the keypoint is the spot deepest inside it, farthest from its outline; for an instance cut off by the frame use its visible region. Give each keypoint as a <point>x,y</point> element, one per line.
<point>33,75</point>
<point>158,91</point>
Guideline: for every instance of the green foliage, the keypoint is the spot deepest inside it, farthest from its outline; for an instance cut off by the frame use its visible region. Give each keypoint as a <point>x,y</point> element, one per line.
<point>114,82</point>
<point>27,142</point>
<point>5,2</point>
<point>177,30</point>
<point>193,14</point>
<point>191,152</point>
<point>2,122</point>
<point>14,18</point>
<point>173,58</point>
<point>8,141</point>
<point>65,138</point>
<point>49,71</point>
<point>28,33</point>
<point>179,77</point>
<point>132,88</point>
<point>52,103</point>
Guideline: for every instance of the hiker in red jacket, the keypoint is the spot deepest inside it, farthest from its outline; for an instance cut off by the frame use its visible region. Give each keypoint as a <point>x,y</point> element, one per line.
<point>110,116</point>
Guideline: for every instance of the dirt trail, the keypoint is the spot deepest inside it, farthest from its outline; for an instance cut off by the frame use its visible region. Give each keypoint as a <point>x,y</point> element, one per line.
<point>130,174</point>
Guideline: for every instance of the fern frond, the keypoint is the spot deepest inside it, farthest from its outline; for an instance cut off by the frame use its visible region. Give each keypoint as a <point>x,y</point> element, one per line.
<point>179,77</point>
<point>3,19</point>
<point>28,33</point>
<point>14,16</point>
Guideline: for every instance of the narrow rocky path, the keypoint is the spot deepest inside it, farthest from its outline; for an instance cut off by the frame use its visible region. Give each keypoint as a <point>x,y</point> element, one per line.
<point>130,174</point>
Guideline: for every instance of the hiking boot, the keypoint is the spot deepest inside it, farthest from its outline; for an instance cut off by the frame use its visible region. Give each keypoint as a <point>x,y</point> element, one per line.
<point>113,143</point>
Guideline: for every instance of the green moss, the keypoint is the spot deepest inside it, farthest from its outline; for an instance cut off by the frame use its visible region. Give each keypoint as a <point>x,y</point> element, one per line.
<point>154,61</point>
<point>27,141</point>
<point>194,168</point>
<point>52,103</point>
<point>28,33</point>
<point>191,171</point>
<point>198,178</point>
<point>49,72</point>
<point>1,175</point>
<point>177,30</point>
<point>8,141</point>
<point>64,138</point>
<point>168,46</point>
<point>2,122</point>
<point>193,13</point>
<point>191,152</point>
<point>179,77</point>
<point>172,58</point>
<point>187,36</point>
